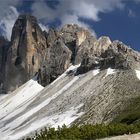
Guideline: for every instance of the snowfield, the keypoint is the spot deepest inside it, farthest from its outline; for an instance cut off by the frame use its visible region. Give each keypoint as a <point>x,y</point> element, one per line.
<point>15,104</point>
<point>20,110</point>
<point>96,71</point>
<point>138,74</point>
<point>110,71</point>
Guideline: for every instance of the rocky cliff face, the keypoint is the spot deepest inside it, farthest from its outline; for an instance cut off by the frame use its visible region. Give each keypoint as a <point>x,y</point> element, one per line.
<point>26,52</point>
<point>104,53</point>
<point>33,52</point>
<point>102,86</point>
<point>4,44</point>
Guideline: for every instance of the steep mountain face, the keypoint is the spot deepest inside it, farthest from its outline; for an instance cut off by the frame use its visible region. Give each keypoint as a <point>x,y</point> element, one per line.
<point>115,55</point>
<point>97,96</point>
<point>46,55</point>
<point>26,52</point>
<point>33,52</point>
<point>88,80</point>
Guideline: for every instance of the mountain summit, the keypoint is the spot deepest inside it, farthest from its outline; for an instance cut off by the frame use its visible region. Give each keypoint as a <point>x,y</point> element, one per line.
<point>33,52</point>
<point>84,79</point>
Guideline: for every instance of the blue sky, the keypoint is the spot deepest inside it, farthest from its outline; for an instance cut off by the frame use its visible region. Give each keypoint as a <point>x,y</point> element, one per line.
<point>118,19</point>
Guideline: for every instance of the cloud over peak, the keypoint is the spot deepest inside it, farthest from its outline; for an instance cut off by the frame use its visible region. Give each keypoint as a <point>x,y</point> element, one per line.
<point>65,11</point>
<point>7,22</point>
<point>70,11</point>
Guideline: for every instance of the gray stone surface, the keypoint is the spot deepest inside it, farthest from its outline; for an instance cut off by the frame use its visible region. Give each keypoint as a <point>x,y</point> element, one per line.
<point>101,98</point>
<point>33,52</point>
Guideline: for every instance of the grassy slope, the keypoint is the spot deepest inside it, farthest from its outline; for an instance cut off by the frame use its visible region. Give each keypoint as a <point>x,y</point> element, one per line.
<point>131,114</point>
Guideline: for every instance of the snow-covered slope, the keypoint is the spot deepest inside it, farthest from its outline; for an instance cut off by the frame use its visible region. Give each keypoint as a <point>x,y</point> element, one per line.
<point>20,110</point>
<point>93,97</point>
<point>14,105</point>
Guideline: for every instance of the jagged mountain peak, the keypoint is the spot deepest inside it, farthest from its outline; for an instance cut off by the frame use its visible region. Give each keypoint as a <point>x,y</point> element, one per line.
<point>77,33</point>
<point>33,52</point>
<point>85,79</point>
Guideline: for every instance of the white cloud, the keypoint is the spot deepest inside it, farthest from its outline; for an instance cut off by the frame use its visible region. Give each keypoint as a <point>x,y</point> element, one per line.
<point>73,19</point>
<point>42,11</point>
<point>8,15</point>
<point>5,4</point>
<point>69,11</point>
<point>7,22</point>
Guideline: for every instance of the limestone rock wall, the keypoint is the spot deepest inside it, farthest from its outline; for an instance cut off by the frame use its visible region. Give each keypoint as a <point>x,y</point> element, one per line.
<point>36,53</point>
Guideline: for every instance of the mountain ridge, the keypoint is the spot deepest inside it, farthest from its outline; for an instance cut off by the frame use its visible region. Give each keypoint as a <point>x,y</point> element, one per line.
<point>59,48</point>
<point>65,76</point>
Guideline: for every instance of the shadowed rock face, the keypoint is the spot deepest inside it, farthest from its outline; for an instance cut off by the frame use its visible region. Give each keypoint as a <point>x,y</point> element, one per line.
<point>26,52</point>
<point>3,50</point>
<point>3,54</point>
<point>103,54</point>
<point>73,36</point>
<point>33,52</point>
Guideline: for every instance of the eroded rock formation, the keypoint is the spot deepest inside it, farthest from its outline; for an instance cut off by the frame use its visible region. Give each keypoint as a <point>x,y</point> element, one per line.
<point>35,53</point>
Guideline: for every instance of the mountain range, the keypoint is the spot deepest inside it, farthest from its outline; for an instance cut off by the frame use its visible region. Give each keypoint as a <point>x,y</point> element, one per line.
<point>64,76</point>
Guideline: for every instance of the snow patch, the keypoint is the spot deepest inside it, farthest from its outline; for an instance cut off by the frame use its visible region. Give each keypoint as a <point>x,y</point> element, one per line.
<point>54,121</point>
<point>138,74</point>
<point>18,110</point>
<point>95,72</point>
<point>110,71</point>
<point>71,68</point>
<point>18,121</point>
<point>12,105</point>
<point>96,62</point>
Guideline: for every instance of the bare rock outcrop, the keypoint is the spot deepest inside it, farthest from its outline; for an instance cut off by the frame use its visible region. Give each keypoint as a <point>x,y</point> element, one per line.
<point>73,36</point>
<point>35,53</point>
<point>103,54</point>
<point>58,58</point>
<point>28,45</point>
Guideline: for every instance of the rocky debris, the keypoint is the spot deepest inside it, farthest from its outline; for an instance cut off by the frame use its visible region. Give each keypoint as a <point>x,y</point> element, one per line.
<point>82,99</point>
<point>124,137</point>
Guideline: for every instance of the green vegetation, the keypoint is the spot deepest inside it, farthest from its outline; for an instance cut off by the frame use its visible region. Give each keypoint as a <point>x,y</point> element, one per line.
<point>131,114</point>
<point>86,132</point>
